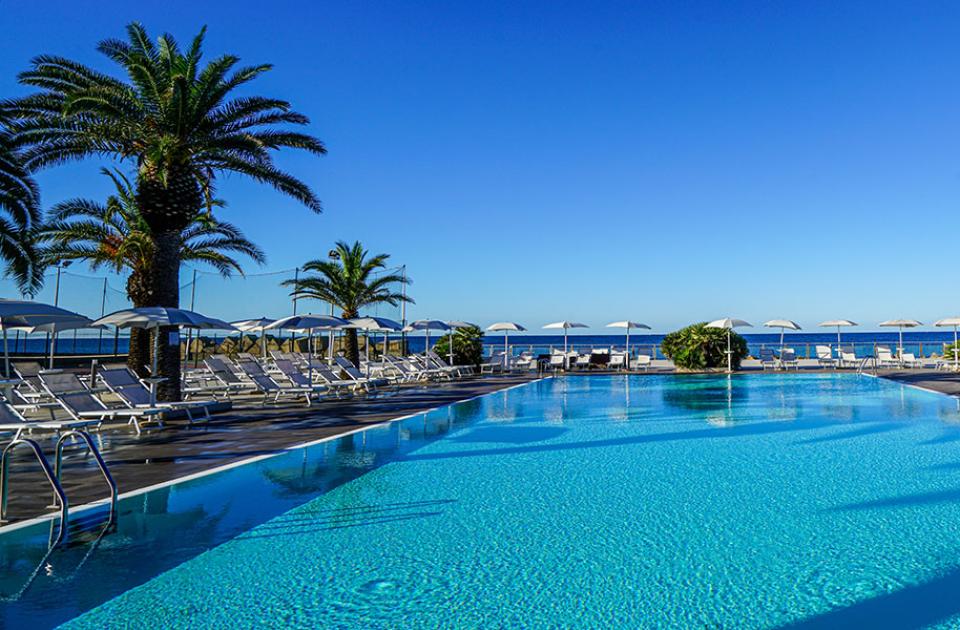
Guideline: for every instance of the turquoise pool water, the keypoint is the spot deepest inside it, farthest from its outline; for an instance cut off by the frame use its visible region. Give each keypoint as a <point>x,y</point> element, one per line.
<point>746,502</point>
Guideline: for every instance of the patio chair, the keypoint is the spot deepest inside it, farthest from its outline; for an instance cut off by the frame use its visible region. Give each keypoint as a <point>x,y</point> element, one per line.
<point>848,359</point>
<point>270,387</point>
<point>123,383</point>
<point>825,357</point>
<point>885,357</point>
<point>768,359</point>
<point>910,360</point>
<point>618,361</point>
<point>582,361</point>
<point>493,363</point>
<point>641,362</point>
<point>11,419</point>
<point>80,403</point>
<point>788,359</point>
<point>558,361</point>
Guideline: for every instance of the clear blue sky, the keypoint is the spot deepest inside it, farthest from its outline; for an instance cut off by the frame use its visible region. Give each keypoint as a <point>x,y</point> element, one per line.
<point>659,161</point>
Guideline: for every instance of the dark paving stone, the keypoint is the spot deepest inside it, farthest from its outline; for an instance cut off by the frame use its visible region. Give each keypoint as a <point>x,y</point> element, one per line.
<point>246,431</point>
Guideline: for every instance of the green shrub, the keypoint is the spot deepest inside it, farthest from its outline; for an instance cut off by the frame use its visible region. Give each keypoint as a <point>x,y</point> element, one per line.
<point>467,346</point>
<point>697,347</point>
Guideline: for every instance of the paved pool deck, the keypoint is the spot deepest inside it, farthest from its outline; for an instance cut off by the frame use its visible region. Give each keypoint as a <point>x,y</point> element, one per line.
<point>250,430</point>
<point>245,431</point>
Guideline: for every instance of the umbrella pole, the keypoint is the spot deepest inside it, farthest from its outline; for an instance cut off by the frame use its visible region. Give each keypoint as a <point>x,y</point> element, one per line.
<point>956,352</point>
<point>451,346</point>
<point>156,351</point>
<point>564,340</point>
<point>6,354</point>
<point>53,344</point>
<point>628,348</point>
<point>310,360</point>
<point>729,353</point>
<point>506,361</point>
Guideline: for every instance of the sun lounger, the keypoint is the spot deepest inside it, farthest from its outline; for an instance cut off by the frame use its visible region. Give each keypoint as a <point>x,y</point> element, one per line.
<point>641,362</point>
<point>885,357</point>
<point>825,357</point>
<point>494,363</point>
<point>331,380</point>
<point>355,375</point>
<point>768,359</point>
<point>440,361</point>
<point>910,360</point>
<point>270,387</point>
<point>80,403</point>
<point>134,394</point>
<point>11,419</point>
<point>788,359</point>
<point>618,361</point>
<point>848,359</point>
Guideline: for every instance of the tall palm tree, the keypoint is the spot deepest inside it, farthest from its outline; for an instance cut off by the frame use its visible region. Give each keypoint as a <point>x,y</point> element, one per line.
<point>19,215</point>
<point>350,283</point>
<point>114,234</point>
<point>179,120</point>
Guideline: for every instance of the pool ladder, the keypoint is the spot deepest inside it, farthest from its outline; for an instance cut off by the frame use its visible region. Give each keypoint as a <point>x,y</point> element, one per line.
<point>53,478</point>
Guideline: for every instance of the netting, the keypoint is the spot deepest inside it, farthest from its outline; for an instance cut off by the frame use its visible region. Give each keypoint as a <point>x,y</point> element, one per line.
<point>229,298</point>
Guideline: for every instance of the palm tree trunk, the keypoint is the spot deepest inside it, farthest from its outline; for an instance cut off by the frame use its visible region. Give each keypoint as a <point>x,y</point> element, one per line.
<point>139,355</point>
<point>167,204</point>
<point>352,349</point>
<point>166,292</point>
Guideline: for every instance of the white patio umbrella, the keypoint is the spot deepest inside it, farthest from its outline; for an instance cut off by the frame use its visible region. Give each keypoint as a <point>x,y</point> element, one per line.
<point>782,324</point>
<point>830,323</point>
<point>900,324</point>
<point>628,325</point>
<point>454,325</point>
<point>427,325</point>
<point>55,327</point>
<point>955,322</point>
<point>376,324</point>
<point>729,323</point>
<point>506,327</point>
<point>26,313</point>
<point>254,325</point>
<point>565,325</point>
<point>156,317</point>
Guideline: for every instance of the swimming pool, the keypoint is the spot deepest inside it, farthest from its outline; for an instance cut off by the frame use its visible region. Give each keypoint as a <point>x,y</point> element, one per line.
<point>818,500</point>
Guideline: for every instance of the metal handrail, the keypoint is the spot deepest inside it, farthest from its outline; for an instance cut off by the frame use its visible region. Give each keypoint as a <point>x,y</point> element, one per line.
<point>102,465</point>
<point>45,466</point>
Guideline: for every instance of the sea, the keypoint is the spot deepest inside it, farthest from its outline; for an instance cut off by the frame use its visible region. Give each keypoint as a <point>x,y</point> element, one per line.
<point>921,343</point>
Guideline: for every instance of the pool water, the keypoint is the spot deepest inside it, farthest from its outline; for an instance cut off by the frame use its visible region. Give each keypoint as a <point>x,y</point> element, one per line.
<point>755,501</point>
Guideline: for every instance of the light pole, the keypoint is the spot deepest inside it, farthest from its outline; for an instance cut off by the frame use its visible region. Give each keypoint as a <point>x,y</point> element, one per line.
<point>52,337</point>
<point>332,255</point>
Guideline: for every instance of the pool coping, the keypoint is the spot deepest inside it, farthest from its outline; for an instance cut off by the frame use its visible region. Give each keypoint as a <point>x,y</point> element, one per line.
<point>83,507</point>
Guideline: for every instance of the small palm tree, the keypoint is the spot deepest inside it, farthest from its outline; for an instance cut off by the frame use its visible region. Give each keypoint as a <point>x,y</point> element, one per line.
<point>19,214</point>
<point>348,281</point>
<point>179,120</point>
<point>114,234</point>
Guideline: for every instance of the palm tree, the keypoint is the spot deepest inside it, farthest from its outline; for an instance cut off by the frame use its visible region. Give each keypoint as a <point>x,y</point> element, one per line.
<point>19,215</point>
<point>348,281</point>
<point>179,120</point>
<point>114,234</point>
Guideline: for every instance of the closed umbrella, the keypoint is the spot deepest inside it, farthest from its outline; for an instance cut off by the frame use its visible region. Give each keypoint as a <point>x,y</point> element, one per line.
<point>26,313</point>
<point>729,323</point>
<point>565,325</point>
<point>954,322</point>
<point>839,323</point>
<point>782,324</point>
<point>253,325</point>
<point>506,327</point>
<point>628,325</point>
<point>900,324</point>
